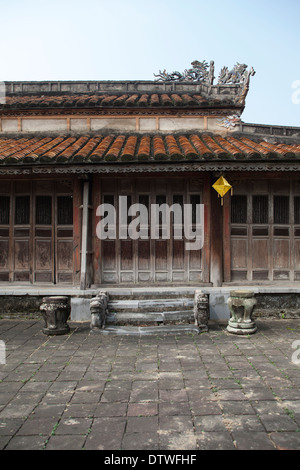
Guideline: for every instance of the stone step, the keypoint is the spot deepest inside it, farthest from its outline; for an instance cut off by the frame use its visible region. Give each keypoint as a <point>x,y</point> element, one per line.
<point>150,305</point>
<point>158,317</point>
<point>148,330</point>
<point>150,293</point>
<point>149,308</point>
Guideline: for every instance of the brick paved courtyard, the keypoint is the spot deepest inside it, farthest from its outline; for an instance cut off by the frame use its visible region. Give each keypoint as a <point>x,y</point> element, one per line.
<point>214,391</point>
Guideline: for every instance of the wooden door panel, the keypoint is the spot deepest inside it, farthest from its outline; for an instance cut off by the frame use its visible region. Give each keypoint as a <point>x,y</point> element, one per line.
<point>109,254</point>
<point>281,254</point>
<point>195,259</point>
<point>239,254</point>
<point>64,255</point>
<point>161,255</point>
<point>21,255</point>
<point>144,262</point>
<point>297,254</point>
<point>178,254</point>
<point>43,255</point>
<point>4,250</point>
<point>126,254</point>
<point>260,256</point>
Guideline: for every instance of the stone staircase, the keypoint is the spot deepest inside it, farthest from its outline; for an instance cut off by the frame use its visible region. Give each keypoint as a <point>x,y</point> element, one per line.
<point>151,311</point>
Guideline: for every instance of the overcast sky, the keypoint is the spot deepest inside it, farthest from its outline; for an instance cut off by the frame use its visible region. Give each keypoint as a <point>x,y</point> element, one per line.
<point>133,39</point>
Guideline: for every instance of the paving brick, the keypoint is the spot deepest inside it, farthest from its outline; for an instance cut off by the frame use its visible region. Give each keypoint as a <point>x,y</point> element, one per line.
<point>140,424</point>
<point>65,442</point>
<point>246,440</point>
<point>215,441</point>
<point>211,391</point>
<point>142,409</point>
<point>37,426</point>
<point>286,440</point>
<point>27,443</point>
<point>74,425</point>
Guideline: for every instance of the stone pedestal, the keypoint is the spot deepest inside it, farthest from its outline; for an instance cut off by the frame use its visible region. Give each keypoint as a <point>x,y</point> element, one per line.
<point>56,311</point>
<point>241,304</point>
<point>98,308</point>
<point>201,310</point>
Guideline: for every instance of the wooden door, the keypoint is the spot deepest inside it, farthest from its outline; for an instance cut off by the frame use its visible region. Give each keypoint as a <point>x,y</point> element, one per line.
<point>264,231</point>
<point>146,258</point>
<point>5,232</point>
<point>43,241</point>
<point>36,232</point>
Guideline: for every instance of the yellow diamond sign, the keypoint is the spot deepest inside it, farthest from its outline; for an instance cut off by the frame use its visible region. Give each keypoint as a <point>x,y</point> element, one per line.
<point>222,186</point>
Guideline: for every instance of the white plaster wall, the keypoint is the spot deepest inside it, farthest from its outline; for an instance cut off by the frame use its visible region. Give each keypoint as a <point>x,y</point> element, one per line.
<point>148,124</point>
<point>9,125</point>
<point>113,123</point>
<point>181,124</point>
<point>44,125</point>
<point>78,125</point>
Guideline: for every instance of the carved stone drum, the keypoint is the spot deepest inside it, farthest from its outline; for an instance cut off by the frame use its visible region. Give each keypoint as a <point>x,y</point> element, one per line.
<point>56,311</point>
<point>241,304</point>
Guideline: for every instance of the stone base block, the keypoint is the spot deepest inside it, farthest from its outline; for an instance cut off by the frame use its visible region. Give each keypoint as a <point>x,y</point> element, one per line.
<point>241,328</point>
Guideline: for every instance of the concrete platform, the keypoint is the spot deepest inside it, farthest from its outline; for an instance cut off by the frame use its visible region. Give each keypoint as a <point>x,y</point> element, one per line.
<point>286,296</point>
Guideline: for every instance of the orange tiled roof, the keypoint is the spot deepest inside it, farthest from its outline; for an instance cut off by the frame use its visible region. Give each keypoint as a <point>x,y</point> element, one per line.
<point>106,100</point>
<point>118,148</point>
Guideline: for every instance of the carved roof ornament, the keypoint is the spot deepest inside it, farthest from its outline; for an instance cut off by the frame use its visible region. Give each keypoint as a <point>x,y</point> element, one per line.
<point>201,72</point>
<point>229,122</point>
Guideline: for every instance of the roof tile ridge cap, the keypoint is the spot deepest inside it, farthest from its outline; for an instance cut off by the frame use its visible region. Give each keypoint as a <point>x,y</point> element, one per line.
<point>116,147</point>
<point>129,147</point>
<point>12,146</point>
<point>63,142</point>
<point>249,142</point>
<point>109,139</point>
<point>187,137</point>
<point>273,147</point>
<point>85,152</point>
<point>31,146</point>
<point>214,151</point>
<point>238,151</point>
<point>198,136</point>
<point>295,147</point>
<point>38,154</point>
<point>214,136</point>
<point>173,146</point>
<point>144,147</point>
<point>56,149</point>
<point>241,143</point>
<point>76,141</point>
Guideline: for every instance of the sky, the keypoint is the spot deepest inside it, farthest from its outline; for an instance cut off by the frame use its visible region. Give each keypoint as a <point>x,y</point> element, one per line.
<point>134,39</point>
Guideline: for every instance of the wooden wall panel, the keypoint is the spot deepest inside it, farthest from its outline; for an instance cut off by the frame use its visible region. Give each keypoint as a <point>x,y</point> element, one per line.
<point>281,254</point>
<point>239,254</point>
<point>260,253</point>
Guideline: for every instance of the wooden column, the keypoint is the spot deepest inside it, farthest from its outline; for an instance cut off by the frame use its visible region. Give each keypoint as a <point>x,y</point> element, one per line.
<point>77,201</point>
<point>226,237</point>
<point>96,240</point>
<point>216,256</point>
<point>207,229</point>
<point>84,234</point>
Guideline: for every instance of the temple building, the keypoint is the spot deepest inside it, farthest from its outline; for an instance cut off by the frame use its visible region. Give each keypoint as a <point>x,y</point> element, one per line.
<point>68,147</point>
